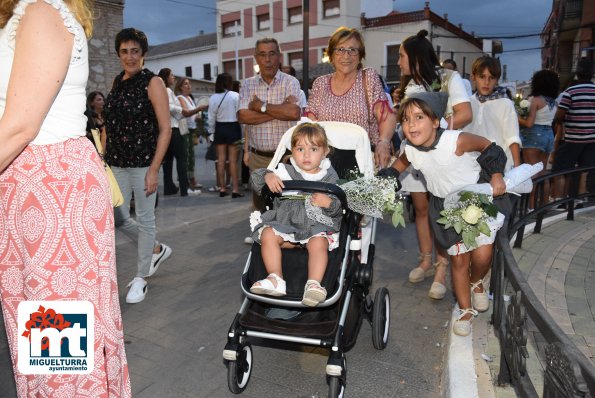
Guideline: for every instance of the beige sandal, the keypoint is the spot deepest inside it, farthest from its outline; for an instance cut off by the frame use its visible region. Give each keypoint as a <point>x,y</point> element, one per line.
<point>314,294</point>
<point>418,274</point>
<point>480,300</point>
<point>438,290</point>
<point>462,327</point>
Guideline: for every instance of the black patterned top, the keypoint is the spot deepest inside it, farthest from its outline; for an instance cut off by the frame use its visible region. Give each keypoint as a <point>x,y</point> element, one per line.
<point>130,122</point>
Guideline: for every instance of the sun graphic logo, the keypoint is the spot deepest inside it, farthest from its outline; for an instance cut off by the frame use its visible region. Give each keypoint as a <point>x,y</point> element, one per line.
<point>56,337</point>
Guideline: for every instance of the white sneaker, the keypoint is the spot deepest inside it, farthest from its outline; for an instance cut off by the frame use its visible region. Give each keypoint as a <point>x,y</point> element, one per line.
<point>138,290</point>
<point>159,258</point>
<point>192,191</point>
<point>248,240</point>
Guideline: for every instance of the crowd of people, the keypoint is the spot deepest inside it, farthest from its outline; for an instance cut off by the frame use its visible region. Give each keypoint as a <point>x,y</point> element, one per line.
<point>447,135</point>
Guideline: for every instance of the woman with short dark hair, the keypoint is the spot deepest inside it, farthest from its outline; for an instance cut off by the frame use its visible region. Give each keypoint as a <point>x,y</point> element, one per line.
<point>138,134</point>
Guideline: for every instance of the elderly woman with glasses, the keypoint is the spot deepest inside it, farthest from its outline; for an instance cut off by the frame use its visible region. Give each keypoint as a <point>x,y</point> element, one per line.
<point>353,94</point>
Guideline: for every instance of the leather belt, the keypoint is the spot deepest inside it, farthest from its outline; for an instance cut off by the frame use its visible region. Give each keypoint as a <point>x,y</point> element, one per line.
<point>262,153</point>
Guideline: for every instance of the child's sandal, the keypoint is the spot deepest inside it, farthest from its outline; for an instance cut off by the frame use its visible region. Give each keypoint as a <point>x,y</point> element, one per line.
<point>314,294</point>
<point>266,286</point>
<point>462,327</point>
<point>480,300</point>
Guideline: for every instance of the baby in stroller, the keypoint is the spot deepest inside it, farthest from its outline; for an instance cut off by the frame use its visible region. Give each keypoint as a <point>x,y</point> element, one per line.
<point>313,222</point>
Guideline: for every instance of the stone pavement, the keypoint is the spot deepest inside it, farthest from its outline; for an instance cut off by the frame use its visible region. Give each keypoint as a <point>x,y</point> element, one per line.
<point>175,337</point>
<point>559,264</point>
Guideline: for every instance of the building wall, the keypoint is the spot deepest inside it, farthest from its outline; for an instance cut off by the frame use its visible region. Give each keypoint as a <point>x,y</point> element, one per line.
<point>178,63</point>
<point>104,64</point>
<point>378,39</point>
<point>288,36</point>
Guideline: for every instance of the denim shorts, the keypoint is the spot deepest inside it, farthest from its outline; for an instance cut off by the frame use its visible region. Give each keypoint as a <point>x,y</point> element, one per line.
<point>539,137</point>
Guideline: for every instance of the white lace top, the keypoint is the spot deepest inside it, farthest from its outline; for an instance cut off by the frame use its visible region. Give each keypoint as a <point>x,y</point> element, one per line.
<point>65,118</point>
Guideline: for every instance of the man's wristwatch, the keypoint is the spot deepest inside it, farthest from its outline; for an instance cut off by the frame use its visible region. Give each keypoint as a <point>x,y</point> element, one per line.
<point>263,108</point>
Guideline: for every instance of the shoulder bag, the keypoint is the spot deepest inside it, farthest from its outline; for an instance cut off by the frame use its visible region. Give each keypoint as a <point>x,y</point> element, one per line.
<point>117,198</point>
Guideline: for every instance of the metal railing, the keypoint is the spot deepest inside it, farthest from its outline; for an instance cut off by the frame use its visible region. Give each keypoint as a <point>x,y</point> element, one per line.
<point>567,371</point>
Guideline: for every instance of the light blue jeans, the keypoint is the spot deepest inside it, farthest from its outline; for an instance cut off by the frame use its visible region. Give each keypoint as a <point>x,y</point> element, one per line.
<point>142,230</point>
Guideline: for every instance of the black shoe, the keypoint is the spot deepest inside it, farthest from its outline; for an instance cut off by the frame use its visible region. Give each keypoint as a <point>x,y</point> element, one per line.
<point>237,195</point>
<point>171,192</point>
<point>223,194</point>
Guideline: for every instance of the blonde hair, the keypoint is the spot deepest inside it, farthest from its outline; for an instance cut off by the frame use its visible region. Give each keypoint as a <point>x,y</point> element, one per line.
<point>81,9</point>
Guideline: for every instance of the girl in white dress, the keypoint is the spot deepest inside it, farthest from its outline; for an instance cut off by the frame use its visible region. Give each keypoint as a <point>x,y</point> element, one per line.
<point>450,160</point>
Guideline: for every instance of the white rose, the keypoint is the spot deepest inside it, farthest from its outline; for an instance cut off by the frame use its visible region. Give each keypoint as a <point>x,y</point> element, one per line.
<point>524,103</point>
<point>472,214</point>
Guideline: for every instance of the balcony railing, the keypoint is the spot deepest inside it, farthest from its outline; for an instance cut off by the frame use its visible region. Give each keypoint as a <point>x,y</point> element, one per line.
<point>567,372</point>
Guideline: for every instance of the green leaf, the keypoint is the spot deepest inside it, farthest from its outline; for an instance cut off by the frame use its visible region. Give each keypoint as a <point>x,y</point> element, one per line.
<point>395,218</point>
<point>491,210</point>
<point>442,220</point>
<point>458,226</point>
<point>469,239</point>
<point>484,228</point>
<point>483,198</point>
<point>466,195</point>
<point>402,222</point>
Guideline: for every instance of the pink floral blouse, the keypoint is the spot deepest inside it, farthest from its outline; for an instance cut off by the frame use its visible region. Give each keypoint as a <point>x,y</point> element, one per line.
<point>352,106</point>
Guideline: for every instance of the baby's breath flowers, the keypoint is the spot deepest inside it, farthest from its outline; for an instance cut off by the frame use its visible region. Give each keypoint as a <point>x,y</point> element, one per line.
<point>374,197</point>
<point>470,216</point>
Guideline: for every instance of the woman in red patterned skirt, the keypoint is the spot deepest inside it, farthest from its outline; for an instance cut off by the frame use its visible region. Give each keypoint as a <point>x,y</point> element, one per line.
<point>56,218</point>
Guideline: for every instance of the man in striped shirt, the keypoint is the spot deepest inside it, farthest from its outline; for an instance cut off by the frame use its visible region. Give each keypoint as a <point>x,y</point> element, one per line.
<point>576,112</point>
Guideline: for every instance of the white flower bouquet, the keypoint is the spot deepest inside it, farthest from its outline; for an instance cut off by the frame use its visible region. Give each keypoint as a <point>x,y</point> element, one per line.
<point>374,197</point>
<point>521,106</point>
<point>469,216</point>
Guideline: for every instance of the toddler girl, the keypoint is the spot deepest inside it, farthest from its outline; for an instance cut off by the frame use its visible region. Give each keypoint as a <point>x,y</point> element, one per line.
<point>450,160</point>
<point>313,222</point>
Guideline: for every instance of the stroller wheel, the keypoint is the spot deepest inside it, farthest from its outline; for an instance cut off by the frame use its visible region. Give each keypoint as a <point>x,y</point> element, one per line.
<point>381,319</point>
<point>336,384</point>
<point>336,389</point>
<point>239,371</point>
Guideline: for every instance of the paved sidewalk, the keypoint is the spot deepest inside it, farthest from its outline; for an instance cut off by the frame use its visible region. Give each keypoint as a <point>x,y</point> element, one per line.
<point>175,337</point>
<point>559,265</point>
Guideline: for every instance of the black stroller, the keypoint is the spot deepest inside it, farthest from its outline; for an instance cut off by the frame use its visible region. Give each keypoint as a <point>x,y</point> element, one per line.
<point>334,323</point>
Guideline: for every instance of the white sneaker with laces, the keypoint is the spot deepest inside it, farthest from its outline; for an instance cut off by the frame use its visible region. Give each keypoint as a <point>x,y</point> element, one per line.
<point>159,258</point>
<point>192,191</point>
<point>138,290</point>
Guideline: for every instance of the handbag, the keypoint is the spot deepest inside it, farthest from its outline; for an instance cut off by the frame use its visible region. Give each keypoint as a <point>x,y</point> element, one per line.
<point>211,152</point>
<point>117,198</point>
<point>183,126</point>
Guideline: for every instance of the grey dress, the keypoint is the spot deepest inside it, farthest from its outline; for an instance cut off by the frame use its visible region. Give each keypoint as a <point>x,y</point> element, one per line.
<point>289,216</point>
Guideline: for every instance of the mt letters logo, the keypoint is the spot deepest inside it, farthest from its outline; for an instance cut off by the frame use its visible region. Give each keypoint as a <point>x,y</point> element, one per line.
<point>56,337</point>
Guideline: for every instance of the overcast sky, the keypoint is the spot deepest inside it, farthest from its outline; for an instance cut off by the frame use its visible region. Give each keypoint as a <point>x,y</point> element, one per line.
<point>169,20</point>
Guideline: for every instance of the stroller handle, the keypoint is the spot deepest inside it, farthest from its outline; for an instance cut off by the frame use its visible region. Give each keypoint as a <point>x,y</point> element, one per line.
<point>310,187</point>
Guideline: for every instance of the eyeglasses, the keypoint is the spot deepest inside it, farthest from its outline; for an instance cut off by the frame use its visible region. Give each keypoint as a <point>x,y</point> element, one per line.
<point>349,51</point>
